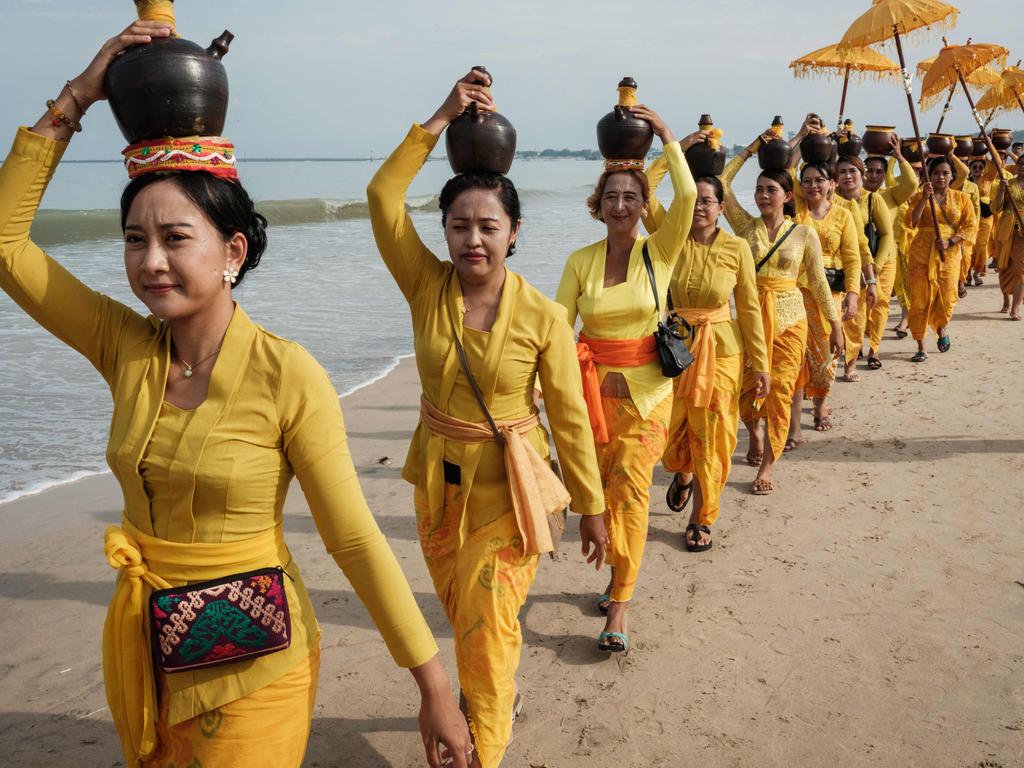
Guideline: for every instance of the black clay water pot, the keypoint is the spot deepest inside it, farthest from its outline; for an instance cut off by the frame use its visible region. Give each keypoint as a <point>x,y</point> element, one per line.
<point>620,135</point>
<point>849,145</point>
<point>876,139</point>
<point>964,147</point>
<point>774,155</point>
<point>1002,138</point>
<point>702,159</point>
<point>939,143</point>
<point>817,148</point>
<point>170,87</point>
<point>480,142</point>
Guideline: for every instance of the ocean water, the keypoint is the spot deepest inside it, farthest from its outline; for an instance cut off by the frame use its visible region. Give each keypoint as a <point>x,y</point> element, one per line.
<point>321,283</point>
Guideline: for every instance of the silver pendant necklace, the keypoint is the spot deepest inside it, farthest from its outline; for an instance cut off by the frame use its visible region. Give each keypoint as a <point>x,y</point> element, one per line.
<point>187,373</point>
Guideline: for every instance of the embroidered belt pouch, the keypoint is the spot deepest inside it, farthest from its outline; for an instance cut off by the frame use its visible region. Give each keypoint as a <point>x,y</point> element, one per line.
<point>220,621</point>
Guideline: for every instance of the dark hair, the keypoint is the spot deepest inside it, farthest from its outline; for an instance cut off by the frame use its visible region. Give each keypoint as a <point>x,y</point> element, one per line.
<point>594,200</point>
<point>781,177</point>
<point>935,162</point>
<point>825,169</point>
<point>224,202</point>
<point>715,183</point>
<point>876,158</point>
<point>501,185</point>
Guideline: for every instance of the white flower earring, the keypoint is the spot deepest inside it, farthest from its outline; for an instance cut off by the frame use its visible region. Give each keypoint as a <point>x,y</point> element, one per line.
<point>231,276</point>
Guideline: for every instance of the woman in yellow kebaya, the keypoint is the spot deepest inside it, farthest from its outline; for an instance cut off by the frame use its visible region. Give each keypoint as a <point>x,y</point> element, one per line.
<point>476,510</point>
<point>839,235</point>
<point>934,277</point>
<point>607,285</point>
<point>213,416</point>
<point>982,249</point>
<point>713,266</point>
<point>1011,239</point>
<point>781,249</point>
<point>895,196</point>
<point>877,207</point>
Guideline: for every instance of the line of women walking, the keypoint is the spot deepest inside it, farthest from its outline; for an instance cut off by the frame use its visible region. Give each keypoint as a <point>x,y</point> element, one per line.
<point>213,415</point>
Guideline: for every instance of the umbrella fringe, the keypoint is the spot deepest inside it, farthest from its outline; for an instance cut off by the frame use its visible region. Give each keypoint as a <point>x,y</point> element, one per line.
<point>812,72</point>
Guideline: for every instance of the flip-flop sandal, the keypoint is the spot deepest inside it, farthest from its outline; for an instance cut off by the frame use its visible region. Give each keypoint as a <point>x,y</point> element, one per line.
<point>978,281</point>
<point>675,490</point>
<point>944,344</point>
<point>763,487</point>
<point>603,601</point>
<point>901,334</point>
<point>755,459</point>
<point>850,378</point>
<point>919,357</point>
<point>824,424</point>
<point>693,546</point>
<point>962,292</point>
<point>619,642</point>
<point>874,363</point>
<point>791,445</point>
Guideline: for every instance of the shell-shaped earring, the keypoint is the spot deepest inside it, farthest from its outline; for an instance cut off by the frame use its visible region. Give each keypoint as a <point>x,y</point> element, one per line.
<point>231,276</point>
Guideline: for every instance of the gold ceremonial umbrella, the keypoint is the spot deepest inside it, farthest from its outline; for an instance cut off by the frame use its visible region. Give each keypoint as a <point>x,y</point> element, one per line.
<point>852,62</point>
<point>954,64</point>
<point>1000,96</point>
<point>890,19</point>
<point>983,77</point>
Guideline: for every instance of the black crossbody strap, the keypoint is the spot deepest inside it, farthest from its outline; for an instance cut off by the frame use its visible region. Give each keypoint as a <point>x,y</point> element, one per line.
<point>774,248</point>
<point>650,276</point>
<point>464,364</point>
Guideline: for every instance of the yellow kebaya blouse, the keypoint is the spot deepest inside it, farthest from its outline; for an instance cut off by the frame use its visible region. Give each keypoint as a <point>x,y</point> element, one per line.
<point>800,253</point>
<point>529,339</point>
<point>956,218</point>
<point>874,208</point>
<point>707,275</point>
<point>220,473</point>
<point>627,310</point>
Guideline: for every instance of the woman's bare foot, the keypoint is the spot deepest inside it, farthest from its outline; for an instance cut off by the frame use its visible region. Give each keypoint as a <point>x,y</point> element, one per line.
<point>1006,305</point>
<point>822,414</point>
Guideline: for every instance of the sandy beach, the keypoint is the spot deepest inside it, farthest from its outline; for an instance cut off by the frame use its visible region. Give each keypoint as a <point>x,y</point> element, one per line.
<point>869,613</point>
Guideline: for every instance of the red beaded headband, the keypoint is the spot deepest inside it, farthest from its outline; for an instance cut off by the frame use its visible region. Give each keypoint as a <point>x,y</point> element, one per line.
<point>212,154</point>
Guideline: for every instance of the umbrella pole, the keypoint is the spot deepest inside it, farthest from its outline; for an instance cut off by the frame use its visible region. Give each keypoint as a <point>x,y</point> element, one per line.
<point>945,109</point>
<point>842,101</point>
<point>991,150</point>
<point>917,131</point>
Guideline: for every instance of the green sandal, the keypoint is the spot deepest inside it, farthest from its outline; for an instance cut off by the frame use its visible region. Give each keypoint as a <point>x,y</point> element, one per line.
<point>620,642</point>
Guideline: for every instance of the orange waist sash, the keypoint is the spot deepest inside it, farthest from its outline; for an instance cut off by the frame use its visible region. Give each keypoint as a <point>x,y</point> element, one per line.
<point>766,288</point>
<point>698,382</point>
<point>618,353</point>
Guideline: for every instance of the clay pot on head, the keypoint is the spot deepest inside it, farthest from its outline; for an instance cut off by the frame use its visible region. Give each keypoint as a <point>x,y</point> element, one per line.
<point>939,144</point>
<point>817,148</point>
<point>169,87</point>
<point>702,159</point>
<point>876,139</point>
<point>980,147</point>
<point>849,145</point>
<point>480,142</point>
<point>620,135</point>
<point>964,146</point>
<point>1002,138</point>
<point>910,150</point>
<point>774,155</point>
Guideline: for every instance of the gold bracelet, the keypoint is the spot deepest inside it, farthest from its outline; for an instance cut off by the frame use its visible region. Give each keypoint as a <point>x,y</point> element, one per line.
<point>59,118</point>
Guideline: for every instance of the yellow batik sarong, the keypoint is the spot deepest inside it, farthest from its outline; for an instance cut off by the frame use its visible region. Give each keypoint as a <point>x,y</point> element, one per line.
<point>269,728</point>
<point>482,585</point>
<point>627,462</point>
<point>982,249</point>
<point>933,294</point>
<point>821,363</point>
<point>787,356</point>
<point>701,440</point>
<point>878,316</point>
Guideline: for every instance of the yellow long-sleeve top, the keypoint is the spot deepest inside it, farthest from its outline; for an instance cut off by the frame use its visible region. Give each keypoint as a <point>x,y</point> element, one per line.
<point>799,253</point>
<point>844,245</point>
<point>963,183</point>
<point>529,338</point>
<point>219,473</point>
<point>1007,219</point>
<point>901,188</point>
<point>627,310</point>
<point>874,208</point>
<point>706,275</point>
<point>956,218</point>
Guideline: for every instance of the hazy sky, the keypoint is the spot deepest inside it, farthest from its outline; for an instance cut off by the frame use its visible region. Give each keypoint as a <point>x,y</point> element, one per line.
<point>340,78</point>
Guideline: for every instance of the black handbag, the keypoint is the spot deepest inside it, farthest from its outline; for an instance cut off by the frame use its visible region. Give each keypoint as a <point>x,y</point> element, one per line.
<point>836,279</point>
<point>670,337</point>
<point>871,232</point>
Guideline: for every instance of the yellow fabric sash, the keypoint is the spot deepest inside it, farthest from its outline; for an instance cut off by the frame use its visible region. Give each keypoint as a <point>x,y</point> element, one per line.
<point>536,490</point>
<point>766,289</point>
<point>699,379</point>
<point>147,563</point>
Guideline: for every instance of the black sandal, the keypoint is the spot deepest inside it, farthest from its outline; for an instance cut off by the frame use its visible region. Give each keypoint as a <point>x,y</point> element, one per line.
<point>675,489</point>
<point>874,363</point>
<point>900,333</point>
<point>693,546</point>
